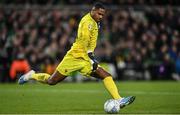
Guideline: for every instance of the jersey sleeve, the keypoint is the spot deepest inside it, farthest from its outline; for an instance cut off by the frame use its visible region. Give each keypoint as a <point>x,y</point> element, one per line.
<point>90,32</point>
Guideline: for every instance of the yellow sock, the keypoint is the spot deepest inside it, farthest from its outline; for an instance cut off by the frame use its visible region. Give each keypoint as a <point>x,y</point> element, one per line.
<point>41,77</point>
<point>111,87</point>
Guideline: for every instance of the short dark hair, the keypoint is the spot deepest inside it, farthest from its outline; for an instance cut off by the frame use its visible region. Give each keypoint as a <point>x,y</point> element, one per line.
<point>98,5</point>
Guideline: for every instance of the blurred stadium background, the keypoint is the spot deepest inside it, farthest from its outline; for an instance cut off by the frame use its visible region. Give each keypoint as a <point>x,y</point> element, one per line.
<point>139,40</point>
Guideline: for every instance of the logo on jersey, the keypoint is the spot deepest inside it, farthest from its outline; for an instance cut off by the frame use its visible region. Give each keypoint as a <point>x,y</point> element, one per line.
<point>90,26</point>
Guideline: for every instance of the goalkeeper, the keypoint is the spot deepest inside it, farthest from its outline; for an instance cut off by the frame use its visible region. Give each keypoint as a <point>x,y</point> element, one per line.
<point>81,58</point>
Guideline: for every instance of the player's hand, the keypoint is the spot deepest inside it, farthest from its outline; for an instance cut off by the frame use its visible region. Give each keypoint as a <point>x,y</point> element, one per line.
<point>94,62</point>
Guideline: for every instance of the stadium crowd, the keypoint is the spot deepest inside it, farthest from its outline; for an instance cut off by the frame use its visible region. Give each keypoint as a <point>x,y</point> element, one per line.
<point>109,2</point>
<point>140,44</point>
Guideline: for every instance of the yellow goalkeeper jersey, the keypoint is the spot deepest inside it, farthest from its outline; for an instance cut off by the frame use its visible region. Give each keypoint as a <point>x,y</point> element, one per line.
<point>86,37</point>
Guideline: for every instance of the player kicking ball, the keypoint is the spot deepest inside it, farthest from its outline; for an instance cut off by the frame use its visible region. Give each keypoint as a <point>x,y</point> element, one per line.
<point>81,58</point>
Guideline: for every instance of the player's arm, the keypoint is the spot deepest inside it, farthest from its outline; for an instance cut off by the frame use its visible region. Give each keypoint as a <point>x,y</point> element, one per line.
<point>90,33</point>
<point>92,45</point>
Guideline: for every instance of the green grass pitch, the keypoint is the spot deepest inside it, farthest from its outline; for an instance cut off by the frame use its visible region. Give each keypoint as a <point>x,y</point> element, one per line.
<point>88,98</point>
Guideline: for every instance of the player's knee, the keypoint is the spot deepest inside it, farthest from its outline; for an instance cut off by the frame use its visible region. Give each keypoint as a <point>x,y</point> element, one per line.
<point>101,73</point>
<point>51,82</point>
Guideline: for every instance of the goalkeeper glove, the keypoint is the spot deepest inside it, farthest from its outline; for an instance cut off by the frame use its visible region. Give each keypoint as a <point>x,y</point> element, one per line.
<point>94,62</point>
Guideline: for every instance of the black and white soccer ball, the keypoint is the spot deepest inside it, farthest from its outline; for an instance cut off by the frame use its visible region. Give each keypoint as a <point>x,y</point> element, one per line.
<point>111,106</point>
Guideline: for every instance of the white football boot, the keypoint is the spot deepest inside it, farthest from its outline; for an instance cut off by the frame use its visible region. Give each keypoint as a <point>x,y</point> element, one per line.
<point>24,78</point>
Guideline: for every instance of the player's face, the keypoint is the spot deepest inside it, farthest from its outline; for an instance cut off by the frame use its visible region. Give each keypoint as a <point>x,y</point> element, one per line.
<point>99,14</point>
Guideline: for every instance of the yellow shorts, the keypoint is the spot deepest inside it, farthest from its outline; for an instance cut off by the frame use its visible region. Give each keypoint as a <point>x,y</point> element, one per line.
<point>71,64</point>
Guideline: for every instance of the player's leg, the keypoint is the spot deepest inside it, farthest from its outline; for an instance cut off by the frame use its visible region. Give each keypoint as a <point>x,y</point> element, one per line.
<point>48,79</point>
<point>55,78</point>
<point>64,68</point>
<point>108,81</point>
<point>111,87</point>
<point>102,74</point>
<point>42,77</point>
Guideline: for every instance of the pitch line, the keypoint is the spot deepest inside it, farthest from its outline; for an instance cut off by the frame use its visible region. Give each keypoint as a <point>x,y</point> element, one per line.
<point>89,91</point>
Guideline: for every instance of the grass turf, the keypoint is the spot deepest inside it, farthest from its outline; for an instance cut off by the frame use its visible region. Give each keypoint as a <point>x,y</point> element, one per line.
<point>88,98</point>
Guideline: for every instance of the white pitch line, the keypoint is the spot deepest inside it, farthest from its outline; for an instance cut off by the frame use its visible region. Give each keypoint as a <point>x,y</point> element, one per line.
<point>88,91</point>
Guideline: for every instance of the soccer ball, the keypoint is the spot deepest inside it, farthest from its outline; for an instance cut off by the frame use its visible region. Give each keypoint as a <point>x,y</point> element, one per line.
<point>111,106</point>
